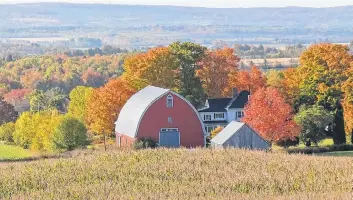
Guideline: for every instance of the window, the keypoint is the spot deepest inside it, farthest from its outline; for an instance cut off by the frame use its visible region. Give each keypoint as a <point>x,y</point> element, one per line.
<point>169,129</point>
<point>170,102</point>
<point>209,129</point>
<point>219,115</point>
<point>240,114</point>
<point>170,120</point>
<point>207,117</point>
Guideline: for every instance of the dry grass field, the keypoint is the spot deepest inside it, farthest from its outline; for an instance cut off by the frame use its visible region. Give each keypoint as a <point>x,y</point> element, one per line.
<point>179,174</point>
<point>272,62</point>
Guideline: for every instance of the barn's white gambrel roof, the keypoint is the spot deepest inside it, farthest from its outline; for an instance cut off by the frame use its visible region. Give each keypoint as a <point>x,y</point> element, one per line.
<point>132,112</point>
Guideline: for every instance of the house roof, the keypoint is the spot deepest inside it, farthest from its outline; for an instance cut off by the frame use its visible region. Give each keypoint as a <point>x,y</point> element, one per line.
<point>222,104</point>
<point>132,112</point>
<point>240,100</point>
<point>227,132</point>
<point>216,105</point>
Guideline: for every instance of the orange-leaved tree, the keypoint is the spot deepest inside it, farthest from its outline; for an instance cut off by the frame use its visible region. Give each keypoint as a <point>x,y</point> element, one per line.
<point>269,114</point>
<point>215,69</point>
<point>248,80</point>
<point>105,104</point>
<point>157,67</point>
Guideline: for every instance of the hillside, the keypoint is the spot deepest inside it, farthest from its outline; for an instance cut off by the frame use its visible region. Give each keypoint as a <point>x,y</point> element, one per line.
<point>139,26</point>
<point>186,174</point>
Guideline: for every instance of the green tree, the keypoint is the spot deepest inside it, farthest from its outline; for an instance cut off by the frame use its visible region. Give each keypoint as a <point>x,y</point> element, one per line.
<point>79,98</point>
<point>6,132</point>
<point>70,134</point>
<point>7,112</point>
<point>315,122</point>
<point>51,99</point>
<point>188,56</point>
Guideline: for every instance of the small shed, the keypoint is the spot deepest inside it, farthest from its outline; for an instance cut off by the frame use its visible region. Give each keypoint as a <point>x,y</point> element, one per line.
<point>239,135</point>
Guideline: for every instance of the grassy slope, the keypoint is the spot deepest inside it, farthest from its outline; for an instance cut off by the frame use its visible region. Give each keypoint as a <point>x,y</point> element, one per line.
<point>13,152</point>
<point>184,174</point>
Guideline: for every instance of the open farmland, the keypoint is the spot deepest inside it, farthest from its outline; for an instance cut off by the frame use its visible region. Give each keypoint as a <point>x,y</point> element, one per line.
<point>180,173</point>
<point>273,62</point>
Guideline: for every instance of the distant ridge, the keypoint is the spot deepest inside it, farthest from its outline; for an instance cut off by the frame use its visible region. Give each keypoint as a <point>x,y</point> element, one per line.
<point>159,25</point>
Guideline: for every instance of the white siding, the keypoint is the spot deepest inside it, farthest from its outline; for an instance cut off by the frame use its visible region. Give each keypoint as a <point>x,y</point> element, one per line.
<point>232,114</point>
<point>212,114</point>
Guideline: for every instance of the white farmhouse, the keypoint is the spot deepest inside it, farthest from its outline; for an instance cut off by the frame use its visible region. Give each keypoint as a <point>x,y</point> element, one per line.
<point>222,111</point>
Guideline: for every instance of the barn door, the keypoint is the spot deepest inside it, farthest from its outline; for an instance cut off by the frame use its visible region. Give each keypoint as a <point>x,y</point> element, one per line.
<point>169,139</point>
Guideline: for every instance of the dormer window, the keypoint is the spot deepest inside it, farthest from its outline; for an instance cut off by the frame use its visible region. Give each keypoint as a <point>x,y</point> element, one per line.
<point>170,101</point>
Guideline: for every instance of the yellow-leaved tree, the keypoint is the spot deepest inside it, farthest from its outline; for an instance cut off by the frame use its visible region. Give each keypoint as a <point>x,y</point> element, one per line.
<point>215,132</point>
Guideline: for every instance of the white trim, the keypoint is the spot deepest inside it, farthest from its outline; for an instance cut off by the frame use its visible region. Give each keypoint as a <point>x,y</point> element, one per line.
<point>174,129</point>
<point>170,97</point>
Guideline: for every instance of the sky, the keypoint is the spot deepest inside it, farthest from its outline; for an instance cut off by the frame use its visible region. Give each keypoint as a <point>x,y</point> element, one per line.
<point>208,3</point>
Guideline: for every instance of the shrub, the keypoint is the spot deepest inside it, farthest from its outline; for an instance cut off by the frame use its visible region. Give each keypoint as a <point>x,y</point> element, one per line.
<point>311,150</point>
<point>145,143</point>
<point>314,122</point>
<point>287,143</point>
<point>6,132</point>
<point>70,134</point>
<point>342,147</point>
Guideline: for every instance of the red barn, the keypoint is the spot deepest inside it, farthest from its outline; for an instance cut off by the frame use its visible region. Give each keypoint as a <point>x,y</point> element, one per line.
<point>162,115</point>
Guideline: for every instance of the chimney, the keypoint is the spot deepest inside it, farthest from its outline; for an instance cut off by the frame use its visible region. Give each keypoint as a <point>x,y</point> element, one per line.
<point>235,92</point>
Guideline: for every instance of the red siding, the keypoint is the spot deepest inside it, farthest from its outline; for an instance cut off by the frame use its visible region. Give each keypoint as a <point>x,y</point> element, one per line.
<point>183,117</point>
<point>125,140</point>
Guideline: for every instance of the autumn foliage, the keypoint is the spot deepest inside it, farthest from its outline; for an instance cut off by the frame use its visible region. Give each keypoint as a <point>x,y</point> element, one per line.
<point>248,80</point>
<point>105,104</point>
<point>269,114</point>
<point>215,70</point>
<point>156,67</point>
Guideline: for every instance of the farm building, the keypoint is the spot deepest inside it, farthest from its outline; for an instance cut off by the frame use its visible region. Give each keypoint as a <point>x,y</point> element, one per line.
<point>239,135</point>
<point>221,111</point>
<point>162,115</point>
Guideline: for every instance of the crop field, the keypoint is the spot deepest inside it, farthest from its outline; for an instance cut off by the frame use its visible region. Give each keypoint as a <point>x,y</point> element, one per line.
<point>179,174</point>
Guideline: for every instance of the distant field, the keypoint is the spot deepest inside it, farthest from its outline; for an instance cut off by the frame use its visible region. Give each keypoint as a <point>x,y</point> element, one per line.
<point>39,39</point>
<point>179,173</point>
<point>13,152</point>
<point>273,61</point>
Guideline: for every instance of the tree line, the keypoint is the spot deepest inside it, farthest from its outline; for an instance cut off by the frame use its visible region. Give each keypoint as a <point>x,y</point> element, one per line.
<point>310,102</point>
